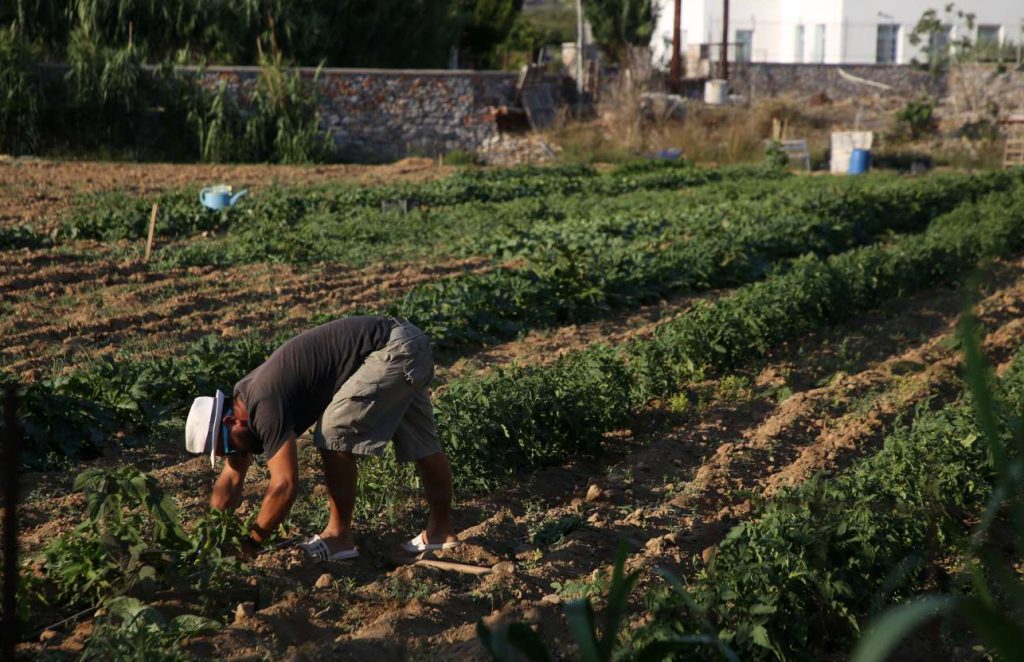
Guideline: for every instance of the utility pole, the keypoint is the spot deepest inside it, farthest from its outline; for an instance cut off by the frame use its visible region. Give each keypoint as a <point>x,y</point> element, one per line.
<point>675,69</point>
<point>579,52</point>
<point>723,72</point>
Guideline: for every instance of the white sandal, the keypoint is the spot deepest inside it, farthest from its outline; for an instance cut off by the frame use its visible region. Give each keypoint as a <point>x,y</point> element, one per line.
<point>316,547</point>
<point>419,544</point>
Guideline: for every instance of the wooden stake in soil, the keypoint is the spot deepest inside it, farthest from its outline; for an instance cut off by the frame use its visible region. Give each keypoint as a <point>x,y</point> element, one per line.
<point>10,634</point>
<point>152,231</point>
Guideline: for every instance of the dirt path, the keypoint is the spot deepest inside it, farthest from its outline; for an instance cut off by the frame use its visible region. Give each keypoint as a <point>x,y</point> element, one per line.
<point>670,486</point>
<point>37,192</point>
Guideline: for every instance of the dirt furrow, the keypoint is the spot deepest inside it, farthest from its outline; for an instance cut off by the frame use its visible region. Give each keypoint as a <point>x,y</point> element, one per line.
<point>163,310</point>
<point>670,487</point>
<point>686,518</point>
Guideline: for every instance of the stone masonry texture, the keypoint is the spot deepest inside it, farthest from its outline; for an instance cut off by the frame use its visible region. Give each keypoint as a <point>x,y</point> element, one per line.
<point>379,115</point>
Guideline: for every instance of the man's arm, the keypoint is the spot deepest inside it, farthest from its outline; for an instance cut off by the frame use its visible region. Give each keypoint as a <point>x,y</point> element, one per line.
<point>227,491</point>
<point>284,481</point>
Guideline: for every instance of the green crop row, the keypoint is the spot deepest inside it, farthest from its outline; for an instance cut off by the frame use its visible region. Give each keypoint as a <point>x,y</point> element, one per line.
<point>121,215</point>
<point>510,419</point>
<point>804,572</point>
<point>365,236</point>
<point>22,236</point>
<point>577,269</point>
<point>518,418</point>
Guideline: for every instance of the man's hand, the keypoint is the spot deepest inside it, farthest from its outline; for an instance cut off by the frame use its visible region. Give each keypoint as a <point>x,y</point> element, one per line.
<point>248,549</point>
<point>227,491</point>
<point>284,481</point>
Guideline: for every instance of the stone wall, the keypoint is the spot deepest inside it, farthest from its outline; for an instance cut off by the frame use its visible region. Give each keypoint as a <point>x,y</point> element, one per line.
<point>760,80</point>
<point>985,89</point>
<point>386,114</point>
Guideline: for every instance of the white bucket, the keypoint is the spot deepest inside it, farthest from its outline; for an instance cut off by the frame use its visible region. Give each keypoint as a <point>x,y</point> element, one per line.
<point>716,91</point>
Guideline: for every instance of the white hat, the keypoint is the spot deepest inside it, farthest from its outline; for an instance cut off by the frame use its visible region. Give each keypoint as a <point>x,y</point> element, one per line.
<point>202,425</point>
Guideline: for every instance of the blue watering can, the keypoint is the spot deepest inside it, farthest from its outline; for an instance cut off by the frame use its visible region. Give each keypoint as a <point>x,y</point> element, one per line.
<point>218,197</point>
<point>669,154</point>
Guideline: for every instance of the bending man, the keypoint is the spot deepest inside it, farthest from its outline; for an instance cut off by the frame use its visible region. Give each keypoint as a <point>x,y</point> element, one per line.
<point>363,381</point>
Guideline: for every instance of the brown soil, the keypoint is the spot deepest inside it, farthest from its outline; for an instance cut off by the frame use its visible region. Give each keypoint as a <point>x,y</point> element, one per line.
<point>65,307</point>
<point>35,192</point>
<point>670,487</point>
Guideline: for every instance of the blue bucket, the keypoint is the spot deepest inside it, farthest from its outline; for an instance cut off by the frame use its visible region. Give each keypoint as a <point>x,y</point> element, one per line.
<point>860,162</point>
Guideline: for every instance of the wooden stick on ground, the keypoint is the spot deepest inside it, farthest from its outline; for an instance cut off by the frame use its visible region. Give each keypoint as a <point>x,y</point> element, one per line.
<point>152,231</point>
<point>457,567</point>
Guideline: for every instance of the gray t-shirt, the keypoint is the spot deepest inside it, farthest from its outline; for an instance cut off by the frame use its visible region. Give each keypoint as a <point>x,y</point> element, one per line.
<point>291,389</point>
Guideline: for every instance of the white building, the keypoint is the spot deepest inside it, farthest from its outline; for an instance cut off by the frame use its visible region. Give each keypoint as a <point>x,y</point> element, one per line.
<point>828,31</point>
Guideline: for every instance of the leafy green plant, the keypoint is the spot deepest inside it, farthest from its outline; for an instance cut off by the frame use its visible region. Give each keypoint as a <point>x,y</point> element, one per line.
<point>775,156</point>
<point>618,24</point>
<point>812,564</point>
<point>131,540</point>
<point>218,125</point>
<point>210,562</point>
<point>994,598</point>
<point>131,630</point>
<point>285,126</point>
<point>516,641</point>
<point>917,118</point>
<point>129,523</point>
<point>551,531</point>
<point>460,157</point>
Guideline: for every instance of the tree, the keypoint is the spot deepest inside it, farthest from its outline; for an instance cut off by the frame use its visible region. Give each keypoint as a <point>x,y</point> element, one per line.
<point>487,23</point>
<point>618,24</point>
<point>944,37</point>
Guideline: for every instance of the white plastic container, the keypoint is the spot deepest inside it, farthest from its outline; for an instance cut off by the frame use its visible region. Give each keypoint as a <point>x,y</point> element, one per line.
<point>716,92</point>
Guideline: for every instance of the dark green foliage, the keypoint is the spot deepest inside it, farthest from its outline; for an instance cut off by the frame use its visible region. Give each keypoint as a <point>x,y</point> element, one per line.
<point>520,418</point>
<point>20,99</point>
<point>131,539</point>
<point>325,223</point>
<point>283,125</point>
<point>487,24</point>
<point>343,33</point>
<point>131,630</point>
<point>114,397</point>
<point>129,522</point>
<point>105,91</point>
<point>117,215</point>
<point>576,270</point>
<point>812,562</point>
<point>775,156</point>
<point>917,118</point>
<point>22,236</point>
<point>618,24</point>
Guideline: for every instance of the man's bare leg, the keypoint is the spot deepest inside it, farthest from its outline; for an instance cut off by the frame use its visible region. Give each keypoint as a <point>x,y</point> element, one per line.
<point>436,475</point>
<point>340,473</point>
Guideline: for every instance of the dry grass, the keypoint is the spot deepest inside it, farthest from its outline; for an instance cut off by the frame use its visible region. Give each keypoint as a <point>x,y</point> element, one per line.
<point>736,134</point>
<point>710,135</point>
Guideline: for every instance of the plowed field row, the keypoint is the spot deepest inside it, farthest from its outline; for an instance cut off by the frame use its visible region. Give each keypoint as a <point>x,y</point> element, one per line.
<point>673,484</point>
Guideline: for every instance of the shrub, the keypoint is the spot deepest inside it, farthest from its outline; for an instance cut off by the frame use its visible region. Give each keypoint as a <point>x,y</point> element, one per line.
<point>19,95</point>
<point>917,118</point>
<point>106,93</point>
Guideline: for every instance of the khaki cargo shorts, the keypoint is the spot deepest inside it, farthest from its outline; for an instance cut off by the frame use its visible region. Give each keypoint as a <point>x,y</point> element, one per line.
<point>385,399</point>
